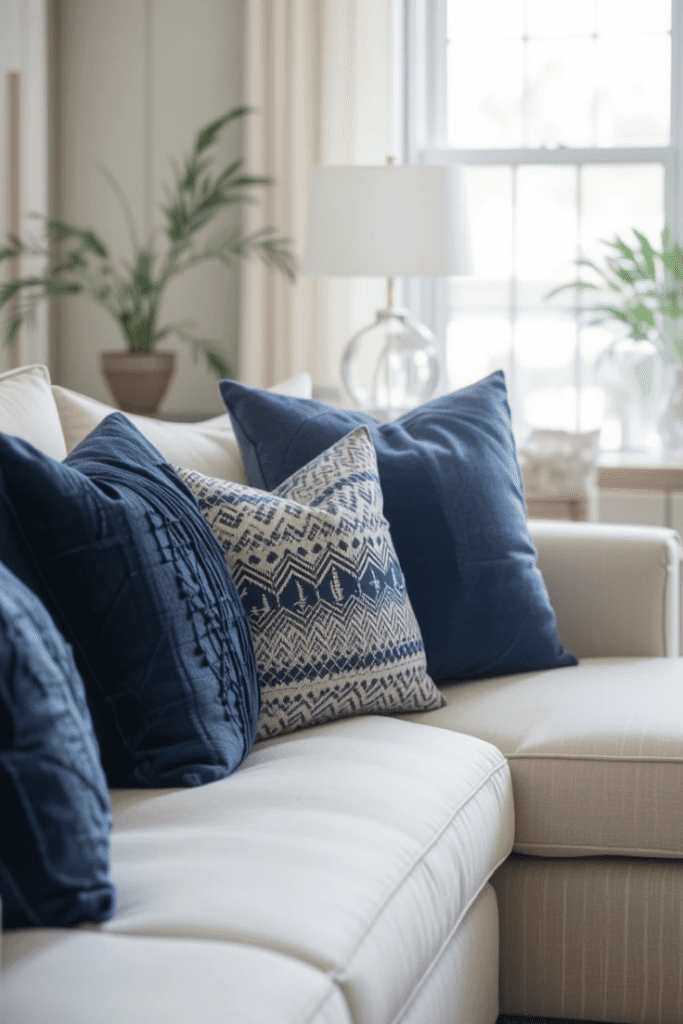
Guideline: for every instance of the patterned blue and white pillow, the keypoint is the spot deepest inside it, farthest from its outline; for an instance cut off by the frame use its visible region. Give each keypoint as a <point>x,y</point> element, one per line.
<point>333,630</point>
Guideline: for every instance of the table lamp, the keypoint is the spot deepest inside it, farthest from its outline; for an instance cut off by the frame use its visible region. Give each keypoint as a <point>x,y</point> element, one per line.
<point>388,221</point>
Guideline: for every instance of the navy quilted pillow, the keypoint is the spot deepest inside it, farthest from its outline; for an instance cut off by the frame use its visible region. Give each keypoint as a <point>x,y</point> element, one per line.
<point>453,497</point>
<point>54,838</point>
<point>132,575</point>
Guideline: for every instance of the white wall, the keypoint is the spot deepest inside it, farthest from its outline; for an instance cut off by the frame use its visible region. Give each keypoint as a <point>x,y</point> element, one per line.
<point>23,49</point>
<point>134,80</point>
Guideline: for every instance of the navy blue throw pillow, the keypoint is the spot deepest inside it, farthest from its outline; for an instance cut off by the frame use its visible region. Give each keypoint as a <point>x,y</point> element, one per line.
<point>135,580</point>
<point>453,498</point>
<point>54,839</point>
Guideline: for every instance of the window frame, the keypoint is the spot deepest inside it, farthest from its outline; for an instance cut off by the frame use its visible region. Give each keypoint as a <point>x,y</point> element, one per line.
<point>421,30</point>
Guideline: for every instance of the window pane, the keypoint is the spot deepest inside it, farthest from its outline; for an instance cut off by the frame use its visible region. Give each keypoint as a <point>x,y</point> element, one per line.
<point>555,72</point>
<point>618,16</point>
<point>477,345</point>
<point>560,17</point>
<point>544,346</point>
<point>479,293</point>
<point>488,195</point>
<point>559,108</point>
<point>546,221</point>
<point>487,19</point>
<point>617,198</point>
<point>485,92</point>
<point>633,95</point>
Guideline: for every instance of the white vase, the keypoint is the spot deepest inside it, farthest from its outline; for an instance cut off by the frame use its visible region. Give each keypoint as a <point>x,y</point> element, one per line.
<point>670,420</point>
<point>628,370</point>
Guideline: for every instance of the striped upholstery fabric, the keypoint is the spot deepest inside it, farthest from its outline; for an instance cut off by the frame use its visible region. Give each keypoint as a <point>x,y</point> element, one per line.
<point>593,939</point>
<point>595,752</point>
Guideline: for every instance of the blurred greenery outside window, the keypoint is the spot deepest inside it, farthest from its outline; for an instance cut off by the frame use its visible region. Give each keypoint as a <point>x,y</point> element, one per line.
<point>563,115</point>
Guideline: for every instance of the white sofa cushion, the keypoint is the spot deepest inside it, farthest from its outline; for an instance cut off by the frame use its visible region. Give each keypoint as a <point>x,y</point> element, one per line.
<point>595,752</point>
<point>28,410</point>
<point>78,977</point>
<point>209,446</point>
<point>356,846</point>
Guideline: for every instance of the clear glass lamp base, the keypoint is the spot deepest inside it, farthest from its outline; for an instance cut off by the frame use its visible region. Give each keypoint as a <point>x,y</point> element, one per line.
<point>392,366</point>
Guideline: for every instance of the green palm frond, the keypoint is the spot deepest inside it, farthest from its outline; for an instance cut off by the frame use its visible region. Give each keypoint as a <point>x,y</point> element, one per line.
<point>76,260</point>
<point>645,283</point>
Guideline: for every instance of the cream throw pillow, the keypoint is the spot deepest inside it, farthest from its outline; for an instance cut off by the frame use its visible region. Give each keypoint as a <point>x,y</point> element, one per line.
<point>209,447</point>
<point>28,410</point>
<point>333,629</point>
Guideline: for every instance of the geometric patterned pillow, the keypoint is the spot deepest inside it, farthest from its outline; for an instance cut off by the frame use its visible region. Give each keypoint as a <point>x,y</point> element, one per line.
<point>333,630</point>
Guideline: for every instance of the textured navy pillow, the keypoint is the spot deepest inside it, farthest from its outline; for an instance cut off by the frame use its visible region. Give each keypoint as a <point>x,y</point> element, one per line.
<point>54,839</point>
<point>453,498</point>
<point>132,575</point>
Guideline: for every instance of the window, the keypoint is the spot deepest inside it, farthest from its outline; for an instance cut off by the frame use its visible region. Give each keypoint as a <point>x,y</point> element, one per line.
<point>563,115</point>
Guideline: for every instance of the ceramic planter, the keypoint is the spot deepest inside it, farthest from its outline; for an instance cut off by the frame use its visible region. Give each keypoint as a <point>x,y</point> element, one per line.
<point>138,380</point>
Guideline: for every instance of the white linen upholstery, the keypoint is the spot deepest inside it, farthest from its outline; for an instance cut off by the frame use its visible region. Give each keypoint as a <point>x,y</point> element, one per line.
<point>615,589</point>
<point>357,847</point>
<point>63,976</point>
<point>463,982</point>
<point>28,410</point>
<point>209,447</point>
<point>595,753</point>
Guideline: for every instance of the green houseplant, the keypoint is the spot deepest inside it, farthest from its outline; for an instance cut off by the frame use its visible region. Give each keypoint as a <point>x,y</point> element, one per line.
<point>640,290</point>
<point>77,261</point>
<point>644,289</point>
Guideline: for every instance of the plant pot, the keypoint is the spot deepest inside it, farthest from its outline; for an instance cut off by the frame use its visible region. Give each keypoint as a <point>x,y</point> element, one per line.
<point>138,380</point>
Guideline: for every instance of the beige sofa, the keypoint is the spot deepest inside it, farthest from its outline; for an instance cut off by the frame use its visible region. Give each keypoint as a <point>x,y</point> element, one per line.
<point>361,871</point>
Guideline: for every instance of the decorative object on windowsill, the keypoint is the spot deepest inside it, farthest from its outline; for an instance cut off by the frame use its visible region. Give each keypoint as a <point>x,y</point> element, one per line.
<point>644,294</point>
<point>555,461</point>
<point>561,463</point>
<point>391,221</point>
<point>77,261</point>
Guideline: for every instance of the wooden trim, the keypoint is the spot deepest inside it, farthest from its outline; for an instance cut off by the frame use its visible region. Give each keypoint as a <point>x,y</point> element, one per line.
<point>574,507</point>
<point>14,189</point>
<point>640,478</point>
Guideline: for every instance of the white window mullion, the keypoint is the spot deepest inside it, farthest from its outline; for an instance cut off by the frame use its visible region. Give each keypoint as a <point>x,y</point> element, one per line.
<point>514,296</point>
<point>674,177</point>
<point>561,155</point>
<point>578,375</point>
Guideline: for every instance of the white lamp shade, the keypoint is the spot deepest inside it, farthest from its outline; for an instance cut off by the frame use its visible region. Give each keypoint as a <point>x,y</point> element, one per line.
<point>387,221</point>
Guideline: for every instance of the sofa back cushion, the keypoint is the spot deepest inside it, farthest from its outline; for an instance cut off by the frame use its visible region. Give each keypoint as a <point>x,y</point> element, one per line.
<point>209,446</point>
<point>28,409</point>
<point>138,585</point>
<point>54,840</point>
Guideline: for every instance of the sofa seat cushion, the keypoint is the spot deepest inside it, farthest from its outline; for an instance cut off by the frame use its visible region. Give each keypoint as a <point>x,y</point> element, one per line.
<point>77,977</point>
<point>595,753</point>
<point>356,846</point>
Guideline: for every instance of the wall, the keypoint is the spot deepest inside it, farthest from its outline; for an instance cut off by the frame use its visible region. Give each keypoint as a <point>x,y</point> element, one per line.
<point>23,48</point>
<point>132,82</point>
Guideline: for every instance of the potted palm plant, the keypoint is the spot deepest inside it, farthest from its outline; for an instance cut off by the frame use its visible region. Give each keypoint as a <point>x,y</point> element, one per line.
<point>640,290</point>
<point>77,261</point>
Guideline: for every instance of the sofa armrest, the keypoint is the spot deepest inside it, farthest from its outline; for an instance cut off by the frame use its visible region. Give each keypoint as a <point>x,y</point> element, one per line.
<point>615,589</point>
